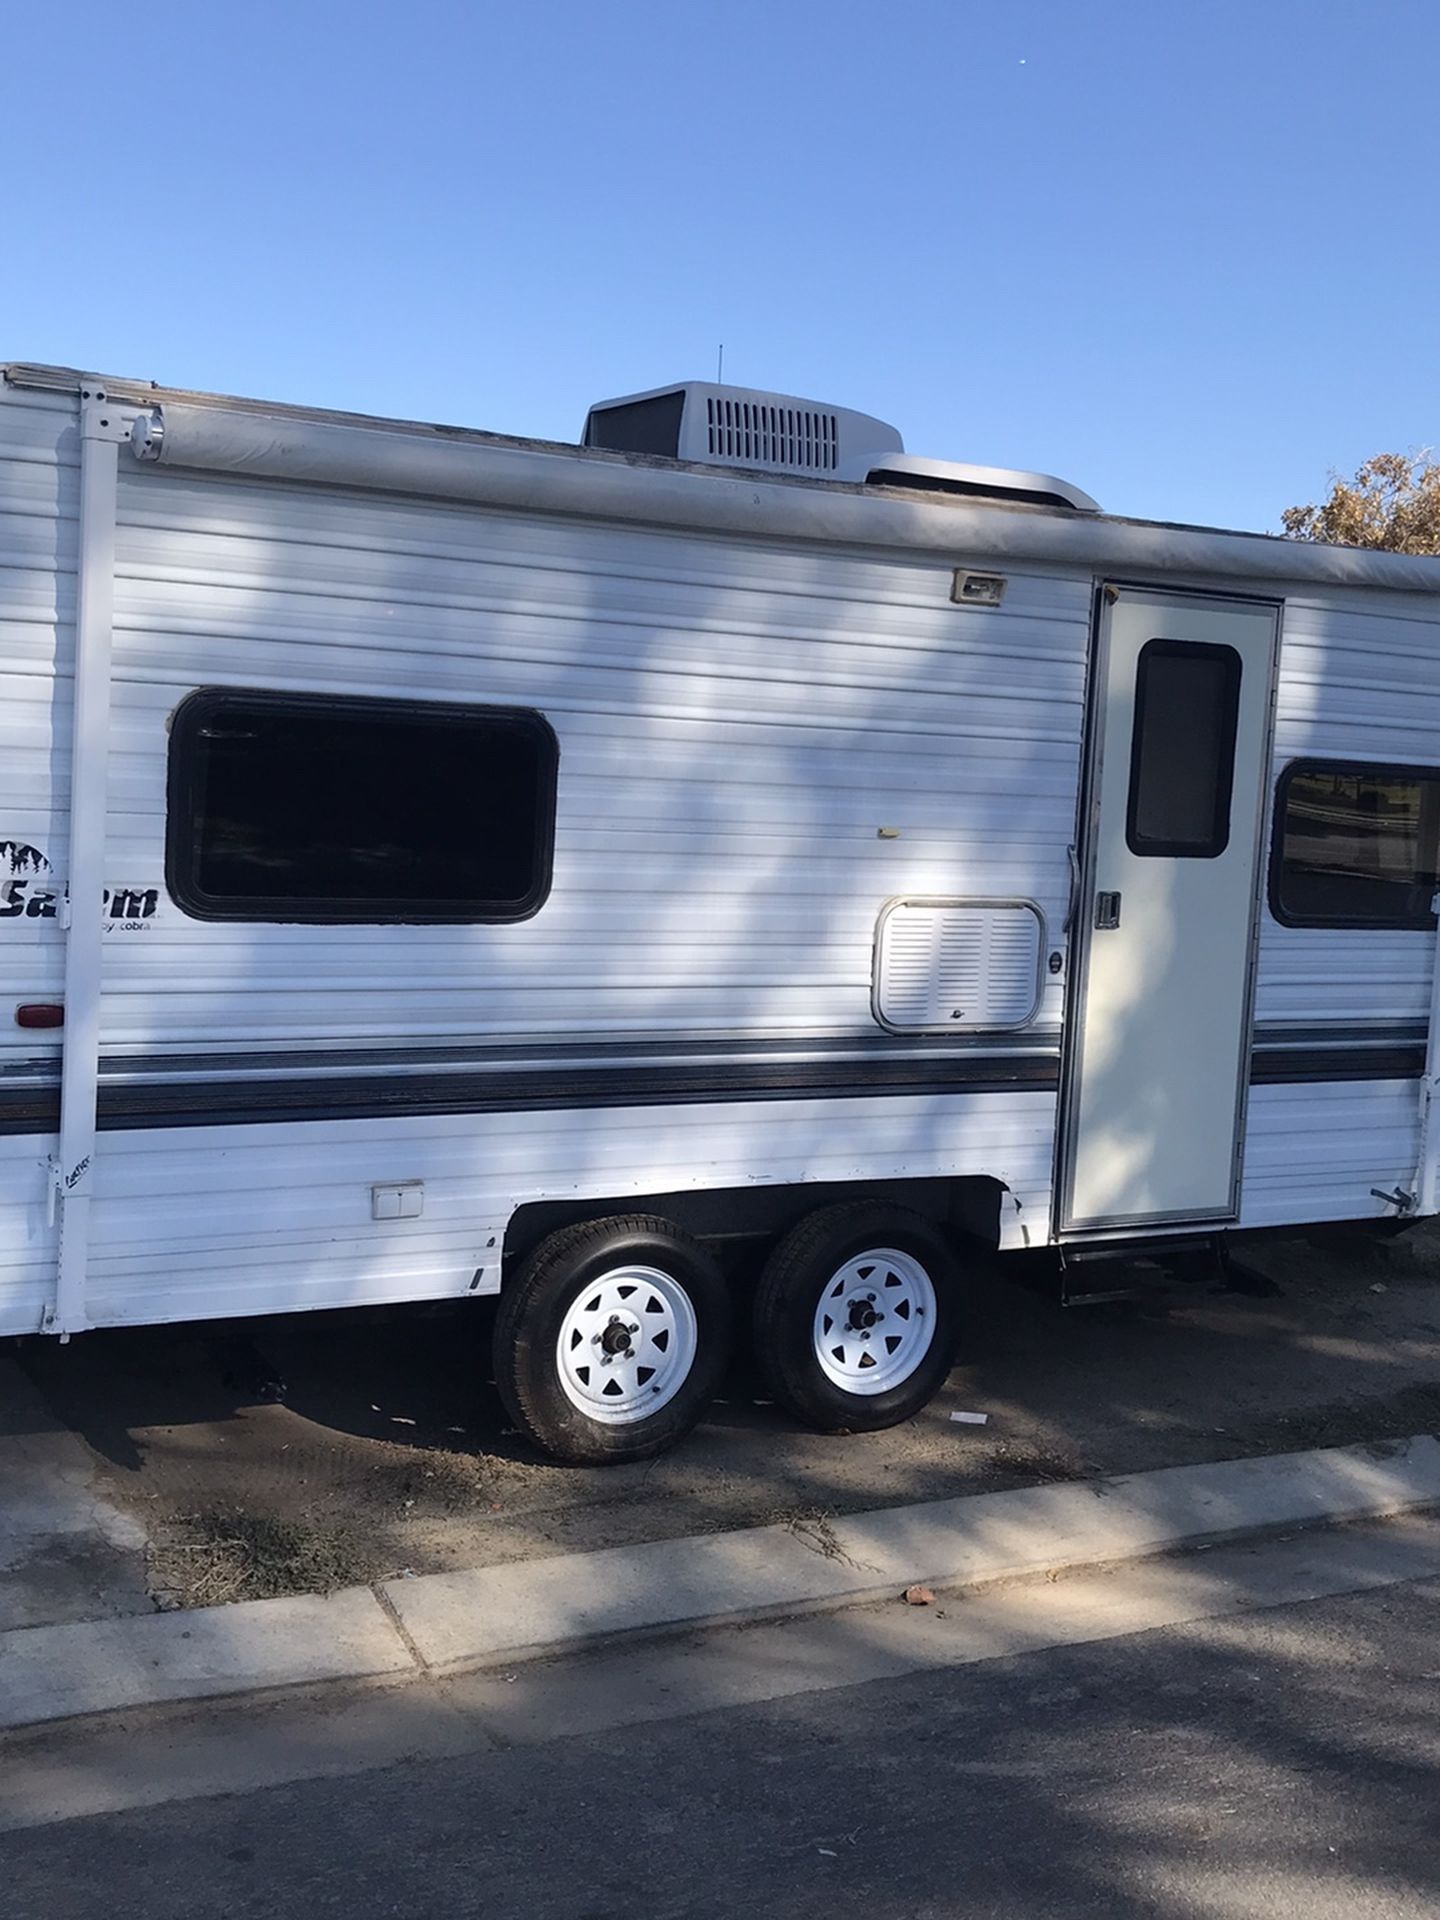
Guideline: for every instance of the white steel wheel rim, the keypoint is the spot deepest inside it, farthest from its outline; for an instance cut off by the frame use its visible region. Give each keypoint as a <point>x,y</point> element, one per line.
<point>626,1345</point>
<point>875,1321</point>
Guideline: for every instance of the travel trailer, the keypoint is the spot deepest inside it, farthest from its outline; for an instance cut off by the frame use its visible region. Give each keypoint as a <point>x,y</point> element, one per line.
<point>436,864</point>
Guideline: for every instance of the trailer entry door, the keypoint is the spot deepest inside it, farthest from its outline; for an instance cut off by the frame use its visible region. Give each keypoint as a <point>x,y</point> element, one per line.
<point>1158,1059</point>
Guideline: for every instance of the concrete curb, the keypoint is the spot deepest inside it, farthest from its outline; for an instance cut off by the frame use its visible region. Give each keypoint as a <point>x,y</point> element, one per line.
<point>501,1615</point>
<point>54,1673</point>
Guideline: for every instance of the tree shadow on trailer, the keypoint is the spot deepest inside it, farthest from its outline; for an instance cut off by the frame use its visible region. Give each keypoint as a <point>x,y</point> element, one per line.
<point>693,689</point>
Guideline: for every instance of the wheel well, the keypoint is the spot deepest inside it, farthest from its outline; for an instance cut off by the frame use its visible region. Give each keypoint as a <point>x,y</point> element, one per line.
<point>969,1207</point>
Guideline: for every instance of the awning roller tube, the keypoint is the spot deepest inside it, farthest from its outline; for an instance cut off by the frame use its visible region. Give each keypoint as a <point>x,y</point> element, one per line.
<point>428,463</point>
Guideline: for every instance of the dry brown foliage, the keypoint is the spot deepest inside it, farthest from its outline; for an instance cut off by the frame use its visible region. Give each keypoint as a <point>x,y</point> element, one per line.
<point>1393,502</point>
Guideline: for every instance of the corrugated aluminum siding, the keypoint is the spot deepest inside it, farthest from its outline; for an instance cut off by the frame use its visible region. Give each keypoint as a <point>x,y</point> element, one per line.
<point>242,1220</point>
<point>1314,1151</point>
<point>39,502</point>
<point>39,505</point>
<point>737,722</point>
<point>735,725</point>
<point>1359,679</point>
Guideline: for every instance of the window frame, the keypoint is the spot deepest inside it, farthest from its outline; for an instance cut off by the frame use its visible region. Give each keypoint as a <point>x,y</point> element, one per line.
<point>1160,647</point>
<point>1324,763</point>
<point>182,817</point>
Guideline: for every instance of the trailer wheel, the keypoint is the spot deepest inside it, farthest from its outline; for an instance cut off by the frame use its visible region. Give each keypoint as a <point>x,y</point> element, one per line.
<point>855,1317</point>
<point>610,1343</point>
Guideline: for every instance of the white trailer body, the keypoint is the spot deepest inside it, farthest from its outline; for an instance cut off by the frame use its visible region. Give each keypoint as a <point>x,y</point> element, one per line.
<point>899,836</point>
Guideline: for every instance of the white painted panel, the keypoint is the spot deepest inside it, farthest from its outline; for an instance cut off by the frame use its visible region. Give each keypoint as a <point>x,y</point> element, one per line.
<point>205,1221</point>
<point>1314,1151</point>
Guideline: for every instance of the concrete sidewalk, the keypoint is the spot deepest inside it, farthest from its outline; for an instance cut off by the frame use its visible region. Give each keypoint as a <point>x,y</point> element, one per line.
<point>501,1615</point>
<point>66,1552</point>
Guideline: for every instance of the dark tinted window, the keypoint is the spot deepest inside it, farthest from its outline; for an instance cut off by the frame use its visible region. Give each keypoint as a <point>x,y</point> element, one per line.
<point>300,808</point>
<point>1182,758</point>
<point>1355,846</point>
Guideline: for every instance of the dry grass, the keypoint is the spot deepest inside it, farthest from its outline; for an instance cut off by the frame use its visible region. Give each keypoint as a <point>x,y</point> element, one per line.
<point>206,1559</point>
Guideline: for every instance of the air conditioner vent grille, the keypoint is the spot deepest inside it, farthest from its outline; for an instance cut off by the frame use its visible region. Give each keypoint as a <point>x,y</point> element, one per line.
<point>753,433</point>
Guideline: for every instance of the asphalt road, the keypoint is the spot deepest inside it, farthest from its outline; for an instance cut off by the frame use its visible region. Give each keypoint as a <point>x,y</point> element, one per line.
<point>1273,1758</point>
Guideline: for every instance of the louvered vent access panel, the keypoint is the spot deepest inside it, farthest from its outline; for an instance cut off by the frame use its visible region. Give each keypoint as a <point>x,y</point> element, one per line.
<point>755,433</point>
<point>958,966</point>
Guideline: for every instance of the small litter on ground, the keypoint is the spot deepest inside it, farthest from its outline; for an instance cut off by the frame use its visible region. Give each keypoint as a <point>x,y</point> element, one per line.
<point>971,1419</point>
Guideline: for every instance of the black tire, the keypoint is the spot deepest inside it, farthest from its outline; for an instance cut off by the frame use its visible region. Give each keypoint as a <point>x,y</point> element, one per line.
<point>532,1313</point>
<point>796,1276</point>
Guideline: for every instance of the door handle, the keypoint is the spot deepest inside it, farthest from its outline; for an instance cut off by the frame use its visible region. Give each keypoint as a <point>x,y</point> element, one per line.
<point>1107,910</point>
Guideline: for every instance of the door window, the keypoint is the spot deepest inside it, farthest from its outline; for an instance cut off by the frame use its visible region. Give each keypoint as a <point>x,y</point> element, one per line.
<point>1182,755</point>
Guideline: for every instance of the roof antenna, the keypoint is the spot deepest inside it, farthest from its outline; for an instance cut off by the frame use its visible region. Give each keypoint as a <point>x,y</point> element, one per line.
<point>720,366</point>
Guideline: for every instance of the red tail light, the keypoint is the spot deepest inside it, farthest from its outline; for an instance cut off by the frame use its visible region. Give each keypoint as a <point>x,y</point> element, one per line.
<point>40,1013</point>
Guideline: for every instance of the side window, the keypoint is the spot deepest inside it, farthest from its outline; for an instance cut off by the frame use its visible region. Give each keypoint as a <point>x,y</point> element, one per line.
<point>1182,756</point>
<point>303,808</point>
<point>1355,845</point>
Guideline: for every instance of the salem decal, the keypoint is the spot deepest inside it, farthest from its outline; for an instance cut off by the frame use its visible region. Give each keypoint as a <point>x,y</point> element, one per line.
<point>26,895</point>
<point>17,899</point>
<point>132,905</point>
<point>19,896</point>
<point>23,859</point>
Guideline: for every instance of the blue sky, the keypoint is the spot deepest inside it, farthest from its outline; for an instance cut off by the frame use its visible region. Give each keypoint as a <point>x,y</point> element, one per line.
<point>1187,255</point>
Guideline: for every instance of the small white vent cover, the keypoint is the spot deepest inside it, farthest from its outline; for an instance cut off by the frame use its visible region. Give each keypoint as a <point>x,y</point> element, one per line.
<point>958,966</point>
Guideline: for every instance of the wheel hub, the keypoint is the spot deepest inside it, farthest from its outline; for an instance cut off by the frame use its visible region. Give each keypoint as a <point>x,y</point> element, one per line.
<point>626,1344</point>
<point>875,1321</point>
<point>616,1337</point>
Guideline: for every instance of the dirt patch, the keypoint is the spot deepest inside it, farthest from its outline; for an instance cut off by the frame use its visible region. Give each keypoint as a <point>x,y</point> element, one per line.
<point>1345,1423</point>
<point>390,1451</point>
<point>1021,1466</point>
<point>207,1559</point>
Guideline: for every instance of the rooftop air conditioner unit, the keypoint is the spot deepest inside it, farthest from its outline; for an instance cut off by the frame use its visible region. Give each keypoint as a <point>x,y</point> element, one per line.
<point>709,425</point>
